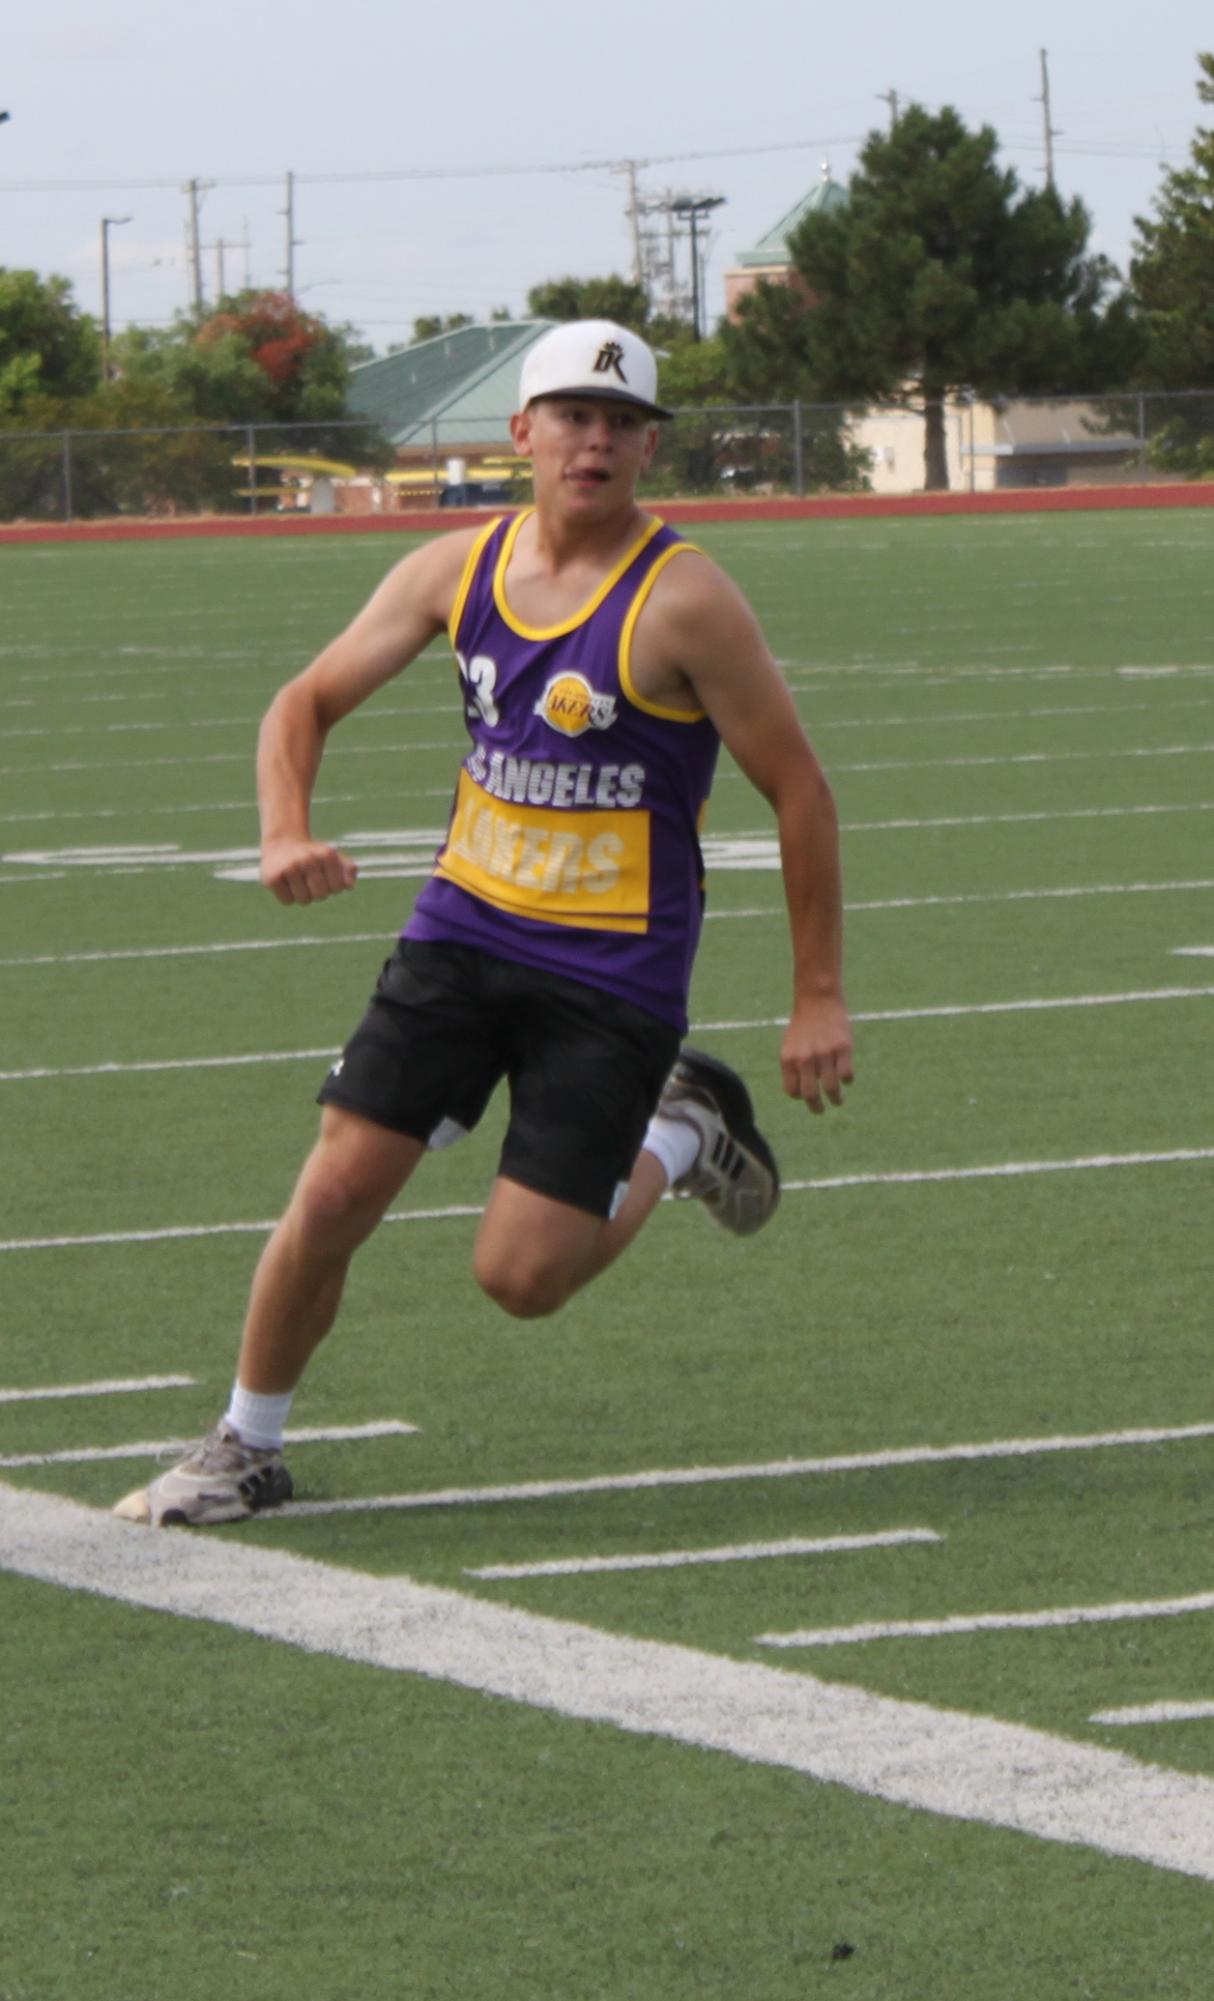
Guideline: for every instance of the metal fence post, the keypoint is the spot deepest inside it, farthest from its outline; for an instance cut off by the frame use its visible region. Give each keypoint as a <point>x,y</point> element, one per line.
<point>1143,456</point>
<point>67,475</point>
<point>798,451</point>
<point>251,448</point>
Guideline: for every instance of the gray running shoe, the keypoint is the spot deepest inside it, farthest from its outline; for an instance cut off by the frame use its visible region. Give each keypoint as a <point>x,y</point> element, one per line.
<point>735,1174</point>
<point>220,1480</point>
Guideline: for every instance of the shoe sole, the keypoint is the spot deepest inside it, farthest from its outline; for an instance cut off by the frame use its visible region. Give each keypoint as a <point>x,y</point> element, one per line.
<point>698,1068</point>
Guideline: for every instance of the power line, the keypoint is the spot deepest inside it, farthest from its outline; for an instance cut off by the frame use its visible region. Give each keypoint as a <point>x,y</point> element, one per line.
<point>1096,149</point>
<point>365,176</point>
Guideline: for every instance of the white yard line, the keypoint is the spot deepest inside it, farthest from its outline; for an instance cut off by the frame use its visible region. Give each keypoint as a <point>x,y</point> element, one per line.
<point>293,944</point>
<point>115,1387</point>
<point>945,1012</point>
<point>162,1448</point>
<point>998,760</point>
<point>1045,1004</point>
<point>182,1232</point>
<point>1157,1712</point>
<point>940,1761</point>
<point>1007,760</point>
<point>245,806</point>
<point>989,1622</point>
<point>928,674</point>
<point>1064,892</point>
<point>744,850</point>
<point>99,766</point>
<point>255,1058</point>
<point>1043,712</point>
<point>906,1177</point>
<point>909,825</point>
<point>681,1559</point>
<point>771,1469</point>
<point>1002,1170</point>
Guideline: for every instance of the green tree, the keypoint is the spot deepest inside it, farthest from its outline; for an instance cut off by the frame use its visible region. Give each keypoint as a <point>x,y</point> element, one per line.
<point>694,373</point>
<point>431,325</point>
<point>941,274</point>
<point>1172,274</point>
<point>48,347</point>
<point>612,298</point>
<point>258,359</point>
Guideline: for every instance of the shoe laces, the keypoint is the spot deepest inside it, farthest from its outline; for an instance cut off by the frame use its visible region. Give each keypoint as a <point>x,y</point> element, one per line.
<point>220,1450</point>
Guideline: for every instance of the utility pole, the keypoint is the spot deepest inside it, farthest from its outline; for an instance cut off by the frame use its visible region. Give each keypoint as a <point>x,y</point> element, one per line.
<point>890,97</point>
<point>629,167</point>
<point>293,241</point>
<point>693,208</point>
<point>221,246</point>
<point>1051,131</point>
<point>653,258</point>
<point>108,222</point>
<point>193,241</point>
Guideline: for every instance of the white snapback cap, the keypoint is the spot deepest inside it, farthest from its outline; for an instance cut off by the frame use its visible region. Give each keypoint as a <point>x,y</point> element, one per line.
<point>595,359</point>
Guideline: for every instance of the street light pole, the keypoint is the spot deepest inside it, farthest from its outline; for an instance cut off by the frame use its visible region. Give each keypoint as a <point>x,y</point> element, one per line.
<point>108,222</point>
<point>693,208</point>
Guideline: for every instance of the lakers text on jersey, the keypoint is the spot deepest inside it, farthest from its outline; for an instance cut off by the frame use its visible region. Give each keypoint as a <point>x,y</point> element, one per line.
<point>569,867</point>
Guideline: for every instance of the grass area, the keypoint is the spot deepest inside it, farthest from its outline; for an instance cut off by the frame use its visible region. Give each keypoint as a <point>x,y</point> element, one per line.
<point>1017,714</point>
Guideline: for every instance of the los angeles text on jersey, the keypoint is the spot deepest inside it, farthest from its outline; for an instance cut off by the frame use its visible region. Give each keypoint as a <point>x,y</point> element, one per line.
<point>529,781</point>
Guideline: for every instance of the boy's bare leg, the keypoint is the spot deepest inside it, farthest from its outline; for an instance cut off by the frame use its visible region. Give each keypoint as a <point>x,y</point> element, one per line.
<point>533,1253</point>
<point>347,1183</point>
<point>349,1180</point>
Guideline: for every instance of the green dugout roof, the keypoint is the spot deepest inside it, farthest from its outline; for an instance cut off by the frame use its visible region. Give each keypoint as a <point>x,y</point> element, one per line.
<point>459,388</point>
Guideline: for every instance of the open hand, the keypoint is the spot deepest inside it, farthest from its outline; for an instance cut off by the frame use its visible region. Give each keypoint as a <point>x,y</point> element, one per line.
<point>816,1054</point>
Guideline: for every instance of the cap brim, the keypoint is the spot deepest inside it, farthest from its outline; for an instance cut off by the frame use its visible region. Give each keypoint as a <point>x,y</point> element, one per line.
<point>580,395</point>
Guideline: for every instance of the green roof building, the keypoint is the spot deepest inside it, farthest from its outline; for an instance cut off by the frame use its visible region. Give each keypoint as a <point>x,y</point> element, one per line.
<point>770,258</point>
<point>449,395</point>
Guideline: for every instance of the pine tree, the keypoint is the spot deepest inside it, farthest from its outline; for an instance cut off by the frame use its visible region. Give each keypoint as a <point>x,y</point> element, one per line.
<point>940,275</point>
<point>1172,271</point>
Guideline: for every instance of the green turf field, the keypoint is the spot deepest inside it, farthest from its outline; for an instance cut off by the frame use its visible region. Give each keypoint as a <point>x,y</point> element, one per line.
<point>961,1745</point>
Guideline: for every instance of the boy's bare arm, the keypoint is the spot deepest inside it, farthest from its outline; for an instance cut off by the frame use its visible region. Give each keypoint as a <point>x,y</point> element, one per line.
<point>410,607</point>
<point>704,624</point>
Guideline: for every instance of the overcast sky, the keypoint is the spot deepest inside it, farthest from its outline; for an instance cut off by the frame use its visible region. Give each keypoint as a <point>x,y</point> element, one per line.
<point>112,109</point>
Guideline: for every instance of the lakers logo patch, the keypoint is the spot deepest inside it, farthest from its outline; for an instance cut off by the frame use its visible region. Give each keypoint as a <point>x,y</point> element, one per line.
<point>571,706</point>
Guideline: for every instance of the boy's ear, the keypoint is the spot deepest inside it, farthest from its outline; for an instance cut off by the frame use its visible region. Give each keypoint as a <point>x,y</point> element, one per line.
<point>520,431</point>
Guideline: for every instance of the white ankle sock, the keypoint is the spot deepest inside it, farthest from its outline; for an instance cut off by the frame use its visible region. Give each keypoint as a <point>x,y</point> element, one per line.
<point>259,1420</point>
<point>675,1142</point>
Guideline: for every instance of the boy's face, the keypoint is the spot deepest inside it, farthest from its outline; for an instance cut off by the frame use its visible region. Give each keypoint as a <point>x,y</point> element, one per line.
<point>586,451</point>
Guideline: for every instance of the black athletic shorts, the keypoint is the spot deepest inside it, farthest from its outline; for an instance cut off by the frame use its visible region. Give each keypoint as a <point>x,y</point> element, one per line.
<point>445,1025</point>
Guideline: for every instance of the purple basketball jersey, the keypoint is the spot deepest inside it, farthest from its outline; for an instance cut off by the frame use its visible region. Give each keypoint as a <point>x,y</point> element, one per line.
<point>573,843</point>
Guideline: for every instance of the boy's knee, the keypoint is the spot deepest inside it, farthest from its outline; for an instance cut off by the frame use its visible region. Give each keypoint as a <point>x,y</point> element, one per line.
<point>332,1200</point>
<point>523,1288</point>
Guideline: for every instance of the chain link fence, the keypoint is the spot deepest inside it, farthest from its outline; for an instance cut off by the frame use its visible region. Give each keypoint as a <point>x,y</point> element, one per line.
<point>787,448</point>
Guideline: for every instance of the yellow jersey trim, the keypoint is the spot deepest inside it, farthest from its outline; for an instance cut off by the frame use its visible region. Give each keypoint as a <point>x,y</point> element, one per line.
<point>465,582</point>
<point>638,700</point>
<point>586,611</point>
